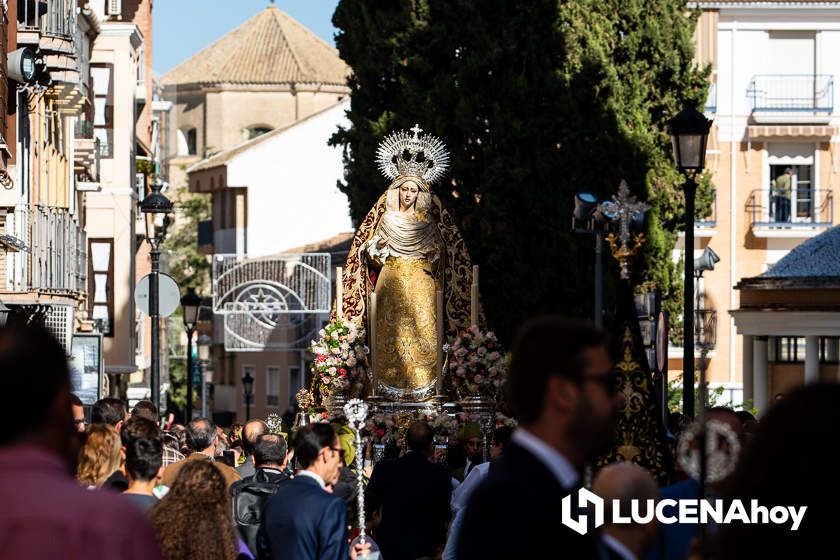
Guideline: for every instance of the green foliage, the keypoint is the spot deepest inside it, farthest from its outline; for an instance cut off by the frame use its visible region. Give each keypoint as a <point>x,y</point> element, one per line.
<point>536,101</point>
<point>189,268</point>
<point>713,397</point>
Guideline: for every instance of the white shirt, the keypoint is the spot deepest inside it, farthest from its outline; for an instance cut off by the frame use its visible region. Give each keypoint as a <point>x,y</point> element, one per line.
<point>618,547</point>
<point>554,461</point>
<point>314,477</point>
<point>462,493</point>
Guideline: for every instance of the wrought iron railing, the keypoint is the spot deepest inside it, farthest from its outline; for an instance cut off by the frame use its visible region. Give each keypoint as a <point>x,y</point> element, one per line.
<point>83,129</point>
<point>812,93</point>
<point>705,328</point>
<point>55,18</point>
<point>55,258</point>
<point>800,208</point>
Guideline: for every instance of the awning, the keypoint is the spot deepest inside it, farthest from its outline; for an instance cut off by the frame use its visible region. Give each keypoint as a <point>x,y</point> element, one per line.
<point>791,130</point>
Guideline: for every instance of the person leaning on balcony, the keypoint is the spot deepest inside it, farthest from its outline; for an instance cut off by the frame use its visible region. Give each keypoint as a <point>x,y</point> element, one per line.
<point>781,196</point>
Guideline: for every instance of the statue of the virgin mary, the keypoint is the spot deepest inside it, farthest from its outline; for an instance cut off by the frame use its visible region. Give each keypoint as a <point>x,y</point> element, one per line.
<point>405,251</point>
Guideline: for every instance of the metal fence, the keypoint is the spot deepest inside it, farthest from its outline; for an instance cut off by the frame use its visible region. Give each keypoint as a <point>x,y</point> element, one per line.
<point>55,18</point>
<point>803,208</point>
<point>812,93</point>
<point>55,259</point>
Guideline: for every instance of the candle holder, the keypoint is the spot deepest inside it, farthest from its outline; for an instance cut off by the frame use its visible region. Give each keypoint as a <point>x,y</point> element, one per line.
<point>356,412</point>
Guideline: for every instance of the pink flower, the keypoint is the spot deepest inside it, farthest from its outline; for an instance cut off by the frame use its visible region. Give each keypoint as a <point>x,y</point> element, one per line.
<point>351,362</point>
<point>482,351</point>
<point>461,371</point>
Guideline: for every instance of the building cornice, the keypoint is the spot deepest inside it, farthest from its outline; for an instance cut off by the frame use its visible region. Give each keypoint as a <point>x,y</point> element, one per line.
<point>763,5</point>
<point>120,29</point>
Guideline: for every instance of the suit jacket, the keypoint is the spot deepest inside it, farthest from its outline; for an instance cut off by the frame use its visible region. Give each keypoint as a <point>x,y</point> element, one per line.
<point>414,494</point>
<point>302,521</point>
<point>516,513</point>
<point>171,472</point>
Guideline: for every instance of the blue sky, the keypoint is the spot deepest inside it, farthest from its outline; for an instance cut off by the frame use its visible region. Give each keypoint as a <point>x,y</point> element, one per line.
<point>181,28</point>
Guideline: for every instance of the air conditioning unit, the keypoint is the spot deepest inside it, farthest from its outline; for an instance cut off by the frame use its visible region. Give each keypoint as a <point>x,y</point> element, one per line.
<point>113,7</point>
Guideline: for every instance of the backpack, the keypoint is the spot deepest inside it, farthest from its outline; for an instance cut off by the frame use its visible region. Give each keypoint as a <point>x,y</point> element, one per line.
<point>249,499</point>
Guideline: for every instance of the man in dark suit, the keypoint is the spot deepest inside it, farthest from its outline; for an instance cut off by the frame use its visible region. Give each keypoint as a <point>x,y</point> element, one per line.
<point>415,494</point>
<point>302,521</point>
<point>563,393</point>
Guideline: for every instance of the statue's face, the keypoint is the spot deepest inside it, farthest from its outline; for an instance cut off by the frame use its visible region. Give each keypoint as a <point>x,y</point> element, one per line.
<point>408,194</point>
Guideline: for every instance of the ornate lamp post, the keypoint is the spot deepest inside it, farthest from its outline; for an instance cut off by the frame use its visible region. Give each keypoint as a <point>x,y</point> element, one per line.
<point>155,208</point>
<point>689,133</point>
<point>586,219</point>
<point>203,342</point>
<point>248,389</point>
<point>190,303</point>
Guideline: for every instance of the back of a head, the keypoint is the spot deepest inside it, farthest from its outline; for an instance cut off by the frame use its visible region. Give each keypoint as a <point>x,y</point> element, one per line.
<point>502,435</point>
<point>310,440</point>
<point>201,433</point>
<point>529,370</point>
<point>143,448</point>
<point>100,456</point>
<point>34,373</point>
<point>146,409</point>
<point>786,465</point>
<point>269,449</point>
<point>108,411</point>
<point>419,437</point>
<point>252,430</point>
<point>194,516</point>
<point>624,482</point>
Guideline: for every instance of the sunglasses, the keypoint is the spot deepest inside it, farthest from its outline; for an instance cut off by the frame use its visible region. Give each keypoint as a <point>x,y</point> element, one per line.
<point>339,450</point>
<point>608,382</point>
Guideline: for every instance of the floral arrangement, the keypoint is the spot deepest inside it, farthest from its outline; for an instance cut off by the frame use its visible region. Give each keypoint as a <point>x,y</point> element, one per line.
<point>381,429</point>
<point>341,359</point>
<point>477,365</point>
<point>503,420</point>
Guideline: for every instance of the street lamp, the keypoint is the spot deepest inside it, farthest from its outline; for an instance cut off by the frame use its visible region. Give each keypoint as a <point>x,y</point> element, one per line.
<point>689,133</point>
<point>155,207</point>
<point>203,342</point>
<point>248,388</point>
<point>190,303</point>
<point>586,219</point>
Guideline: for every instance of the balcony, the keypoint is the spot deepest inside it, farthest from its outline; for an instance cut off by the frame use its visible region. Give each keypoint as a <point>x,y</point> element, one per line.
<point>792,98</point>
<point>50,26</point>
<point>807,212</point>
<point>55,259</point>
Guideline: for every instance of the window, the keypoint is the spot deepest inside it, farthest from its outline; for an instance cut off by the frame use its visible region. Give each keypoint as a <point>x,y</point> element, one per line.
<point>187,142</point>
<point>272,381</point>
<point>141,67</point>
<point>791,196</point>
<point>253,371</point>
<point>253,131</point>
<point>101,290</point>
<point>103,107</point>
<point>788,349</point>
<point>295,383</point>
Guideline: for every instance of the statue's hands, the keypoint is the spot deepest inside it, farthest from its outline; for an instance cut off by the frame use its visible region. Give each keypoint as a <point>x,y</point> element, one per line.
<point>381,243</point>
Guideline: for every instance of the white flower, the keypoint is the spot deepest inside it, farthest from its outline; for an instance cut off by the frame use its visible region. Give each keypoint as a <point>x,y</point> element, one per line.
<point>336,351</point>
<point>493,356</point>
<point>322,333</point>
<point>482,351</point>
<point>332,371</point>
<point>351,361</point>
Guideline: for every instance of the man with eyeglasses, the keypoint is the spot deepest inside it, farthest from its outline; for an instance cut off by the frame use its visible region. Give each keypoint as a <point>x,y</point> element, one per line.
<point>303,520</point>
<point>563,392</point>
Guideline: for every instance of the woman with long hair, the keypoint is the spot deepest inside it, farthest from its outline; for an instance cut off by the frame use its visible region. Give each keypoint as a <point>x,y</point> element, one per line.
<point>194,519</point>
<point>100,456</point>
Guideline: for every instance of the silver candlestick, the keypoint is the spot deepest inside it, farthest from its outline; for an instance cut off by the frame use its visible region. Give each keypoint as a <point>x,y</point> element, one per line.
<point>356,412</point>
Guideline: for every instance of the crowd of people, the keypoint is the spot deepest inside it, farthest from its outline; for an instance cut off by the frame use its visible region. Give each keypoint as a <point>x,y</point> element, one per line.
<point>123,487</point>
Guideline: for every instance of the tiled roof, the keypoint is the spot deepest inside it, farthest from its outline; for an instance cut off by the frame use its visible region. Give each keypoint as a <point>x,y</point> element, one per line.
<point>817,257</point>
<point>270,48</point>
